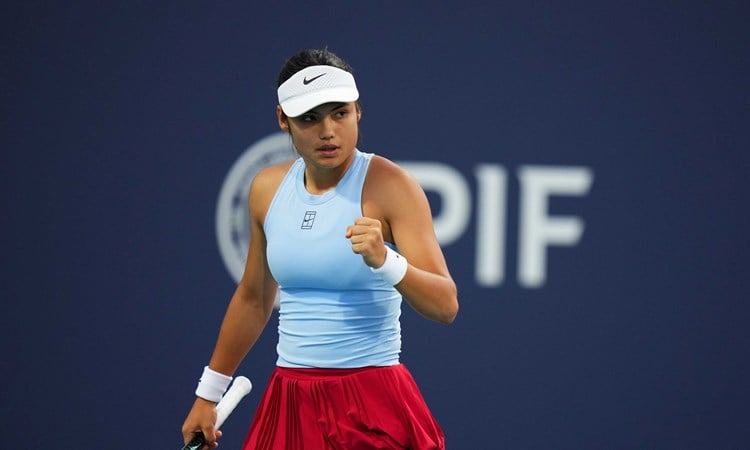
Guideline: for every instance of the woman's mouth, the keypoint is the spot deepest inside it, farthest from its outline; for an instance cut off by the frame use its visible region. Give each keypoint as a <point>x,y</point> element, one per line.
<point>328,149</point>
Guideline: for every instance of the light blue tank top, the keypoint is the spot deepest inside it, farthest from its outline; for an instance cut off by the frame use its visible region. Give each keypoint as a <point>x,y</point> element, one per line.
<point>334,312</point>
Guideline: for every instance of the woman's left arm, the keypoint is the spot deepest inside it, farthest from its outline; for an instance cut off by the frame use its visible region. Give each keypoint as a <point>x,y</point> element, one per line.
<point>427,285</point>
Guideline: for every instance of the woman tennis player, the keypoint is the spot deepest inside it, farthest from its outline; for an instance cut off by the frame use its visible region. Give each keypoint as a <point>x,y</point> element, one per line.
<point>344,236</point>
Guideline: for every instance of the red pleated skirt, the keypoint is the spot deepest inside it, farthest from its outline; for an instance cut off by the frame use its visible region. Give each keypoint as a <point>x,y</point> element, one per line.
<point>343,409</point>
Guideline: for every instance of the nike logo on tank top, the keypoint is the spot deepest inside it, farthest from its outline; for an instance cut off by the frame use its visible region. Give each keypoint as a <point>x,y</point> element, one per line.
<point>334,312</point>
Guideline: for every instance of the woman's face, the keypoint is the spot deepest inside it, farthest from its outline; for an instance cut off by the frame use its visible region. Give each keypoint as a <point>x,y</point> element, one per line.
<point>326,135</point>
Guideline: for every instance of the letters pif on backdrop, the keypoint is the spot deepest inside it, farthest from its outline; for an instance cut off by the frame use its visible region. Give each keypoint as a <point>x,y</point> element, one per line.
<point>537,228</point>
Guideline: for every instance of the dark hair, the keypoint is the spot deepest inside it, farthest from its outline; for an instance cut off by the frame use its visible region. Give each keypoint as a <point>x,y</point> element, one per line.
<point>311,57</point>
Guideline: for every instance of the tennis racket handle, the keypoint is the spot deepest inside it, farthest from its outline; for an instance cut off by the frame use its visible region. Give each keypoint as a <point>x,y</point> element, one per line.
<point>196,443</point>
<point>240,388</point>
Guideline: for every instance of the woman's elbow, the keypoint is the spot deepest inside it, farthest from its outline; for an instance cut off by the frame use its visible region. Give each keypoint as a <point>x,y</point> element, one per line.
<point>449,311</point>
<point>448,315</point>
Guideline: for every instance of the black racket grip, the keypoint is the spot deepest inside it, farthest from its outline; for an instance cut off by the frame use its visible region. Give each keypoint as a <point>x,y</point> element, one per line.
<point>196,443</point>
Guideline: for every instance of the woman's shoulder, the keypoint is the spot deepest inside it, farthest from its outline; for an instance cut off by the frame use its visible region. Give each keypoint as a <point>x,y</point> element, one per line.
<point>385,174</point>
<point>388,183</point>
<point>266,183</point>
<point>271,176</point>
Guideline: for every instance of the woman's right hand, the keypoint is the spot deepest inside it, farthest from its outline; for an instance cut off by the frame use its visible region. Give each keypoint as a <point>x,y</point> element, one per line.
<point>202,418</point>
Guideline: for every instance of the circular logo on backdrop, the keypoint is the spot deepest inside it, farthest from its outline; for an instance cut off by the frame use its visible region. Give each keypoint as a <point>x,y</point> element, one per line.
<point>232,219</point>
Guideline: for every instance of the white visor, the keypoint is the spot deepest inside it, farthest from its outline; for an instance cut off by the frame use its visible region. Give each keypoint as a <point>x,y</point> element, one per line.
<point>315,85</point>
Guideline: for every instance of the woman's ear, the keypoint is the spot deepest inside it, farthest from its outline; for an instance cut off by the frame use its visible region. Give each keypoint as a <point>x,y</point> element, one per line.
<point>283,119</point>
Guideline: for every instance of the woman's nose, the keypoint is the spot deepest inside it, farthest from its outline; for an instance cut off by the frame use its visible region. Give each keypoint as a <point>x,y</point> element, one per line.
<point>327,125</point>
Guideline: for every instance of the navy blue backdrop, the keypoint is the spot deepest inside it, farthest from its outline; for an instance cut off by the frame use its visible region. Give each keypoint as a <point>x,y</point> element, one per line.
<point>598,237</point>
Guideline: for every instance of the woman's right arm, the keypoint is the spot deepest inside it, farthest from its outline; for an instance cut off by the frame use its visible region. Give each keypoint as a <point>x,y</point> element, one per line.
<point>248,311</point>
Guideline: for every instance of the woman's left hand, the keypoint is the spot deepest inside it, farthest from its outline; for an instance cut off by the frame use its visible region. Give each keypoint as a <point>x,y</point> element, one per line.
<point>366,236</point>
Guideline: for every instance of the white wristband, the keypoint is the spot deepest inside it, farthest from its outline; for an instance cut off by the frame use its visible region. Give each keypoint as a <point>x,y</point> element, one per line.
<point>212,385</point>
<point>393,269</point>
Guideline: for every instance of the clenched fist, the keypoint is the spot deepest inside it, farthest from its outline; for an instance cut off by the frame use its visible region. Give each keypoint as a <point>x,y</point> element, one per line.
<point>366,236</point>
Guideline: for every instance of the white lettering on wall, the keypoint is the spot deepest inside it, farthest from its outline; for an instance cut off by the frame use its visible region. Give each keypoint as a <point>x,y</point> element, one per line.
<point>537,229</point>
<point>489,260</point>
